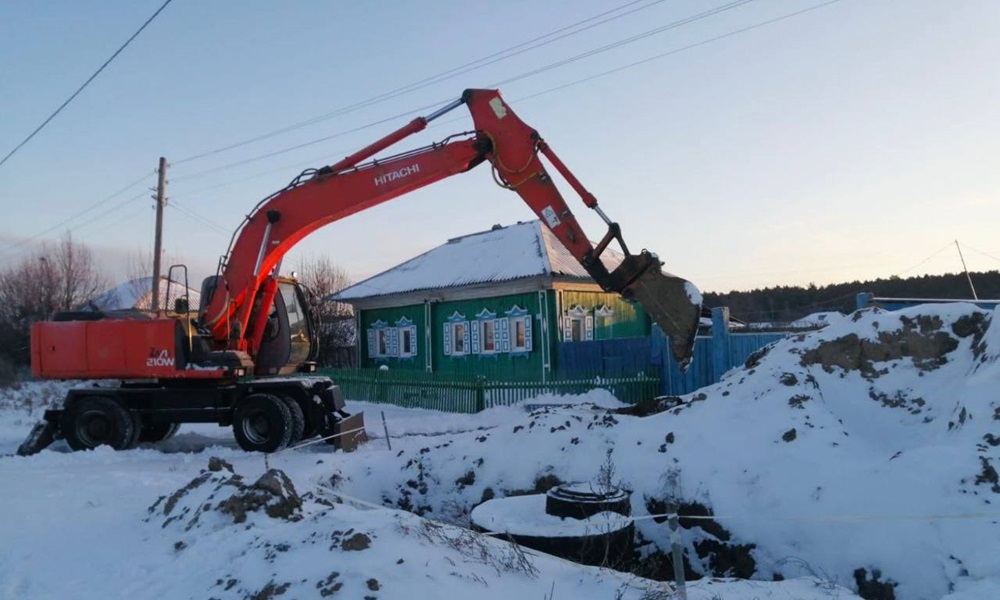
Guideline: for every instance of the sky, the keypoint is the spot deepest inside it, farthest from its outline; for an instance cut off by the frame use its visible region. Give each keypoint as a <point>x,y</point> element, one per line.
<point>853,141</point>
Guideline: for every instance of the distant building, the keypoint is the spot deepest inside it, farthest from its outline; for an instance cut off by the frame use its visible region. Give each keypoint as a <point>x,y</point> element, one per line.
<point>495,302</point>
<point>138,294</point>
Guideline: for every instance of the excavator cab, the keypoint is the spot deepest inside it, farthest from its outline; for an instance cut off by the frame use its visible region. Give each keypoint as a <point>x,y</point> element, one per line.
<point>287,345</point>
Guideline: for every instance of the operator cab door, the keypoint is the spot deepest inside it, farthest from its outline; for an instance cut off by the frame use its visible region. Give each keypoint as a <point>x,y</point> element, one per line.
<point>287,340</point>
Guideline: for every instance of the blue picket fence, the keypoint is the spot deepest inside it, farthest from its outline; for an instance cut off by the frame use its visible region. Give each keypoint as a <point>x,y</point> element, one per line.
<point>713,355</point>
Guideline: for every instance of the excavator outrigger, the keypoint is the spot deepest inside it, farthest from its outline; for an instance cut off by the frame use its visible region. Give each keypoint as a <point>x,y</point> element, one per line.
<point>229,364</point>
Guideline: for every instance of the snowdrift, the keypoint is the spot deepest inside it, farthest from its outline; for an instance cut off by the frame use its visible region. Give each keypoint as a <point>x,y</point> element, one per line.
<point>864,453</point>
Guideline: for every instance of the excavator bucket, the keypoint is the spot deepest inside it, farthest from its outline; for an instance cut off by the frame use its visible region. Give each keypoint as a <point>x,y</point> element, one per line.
<point>674,304</point>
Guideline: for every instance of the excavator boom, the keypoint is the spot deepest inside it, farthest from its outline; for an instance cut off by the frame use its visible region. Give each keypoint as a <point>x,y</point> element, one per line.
<point>514,151</point>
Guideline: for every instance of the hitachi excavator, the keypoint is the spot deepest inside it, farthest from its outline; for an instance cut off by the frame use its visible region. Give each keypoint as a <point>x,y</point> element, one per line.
<point>238,361</point>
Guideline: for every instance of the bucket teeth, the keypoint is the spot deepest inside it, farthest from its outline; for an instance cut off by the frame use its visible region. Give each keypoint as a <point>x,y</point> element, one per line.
<point>675,305</point>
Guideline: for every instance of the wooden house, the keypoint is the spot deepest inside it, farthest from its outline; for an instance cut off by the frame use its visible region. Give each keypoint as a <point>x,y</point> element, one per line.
<point>496,303</point>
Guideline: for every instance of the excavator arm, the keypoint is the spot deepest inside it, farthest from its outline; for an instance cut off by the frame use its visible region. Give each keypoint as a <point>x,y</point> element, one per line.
<point>247,279</point>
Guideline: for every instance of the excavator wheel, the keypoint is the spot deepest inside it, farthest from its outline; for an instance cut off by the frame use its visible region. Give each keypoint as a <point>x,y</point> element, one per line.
<point>298,420</point>
<point>157,433</point>
<point>93,421</point>
<point>262,423</point>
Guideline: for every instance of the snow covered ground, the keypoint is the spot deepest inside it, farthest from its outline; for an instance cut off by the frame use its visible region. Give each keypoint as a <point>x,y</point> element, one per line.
<point>863,455</point>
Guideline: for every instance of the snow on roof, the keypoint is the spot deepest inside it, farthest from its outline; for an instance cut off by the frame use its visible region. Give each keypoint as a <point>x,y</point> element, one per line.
<point>137,293</point>
<point>501,254</point>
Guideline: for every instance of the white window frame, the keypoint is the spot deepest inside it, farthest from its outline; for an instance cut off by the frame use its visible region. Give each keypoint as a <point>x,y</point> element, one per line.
<point>608,313</point>
<point>578,316</point>
<point>455,323</point>
<point>525,345</point>
<point>515,316</point>
<point>405,327</point>
<point>379,340</point>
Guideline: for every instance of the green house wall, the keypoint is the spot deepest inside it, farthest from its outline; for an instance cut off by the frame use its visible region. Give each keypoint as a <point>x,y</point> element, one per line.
<point>390,316</point>
<point>500,365</point>
<point>627,319</point>
<point>546,309</point>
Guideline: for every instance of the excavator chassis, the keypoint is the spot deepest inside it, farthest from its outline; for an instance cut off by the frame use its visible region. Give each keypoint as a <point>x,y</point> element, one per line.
<point>267,415</point>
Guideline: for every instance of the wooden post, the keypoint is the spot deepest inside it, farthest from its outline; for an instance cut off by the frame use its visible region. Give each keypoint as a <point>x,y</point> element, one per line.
<point>720,342</point>
<point>677,552</point>
<point>161,201</point>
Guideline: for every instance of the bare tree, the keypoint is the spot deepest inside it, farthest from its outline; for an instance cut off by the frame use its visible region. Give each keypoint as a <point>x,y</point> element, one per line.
<point>57,277</point>
<point>334,320</point>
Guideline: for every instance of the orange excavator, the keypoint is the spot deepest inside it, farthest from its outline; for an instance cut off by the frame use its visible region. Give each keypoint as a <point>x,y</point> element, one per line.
<point>238,361</point>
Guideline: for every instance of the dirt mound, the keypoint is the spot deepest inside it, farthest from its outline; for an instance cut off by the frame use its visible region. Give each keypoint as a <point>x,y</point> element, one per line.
<point>220,491</point>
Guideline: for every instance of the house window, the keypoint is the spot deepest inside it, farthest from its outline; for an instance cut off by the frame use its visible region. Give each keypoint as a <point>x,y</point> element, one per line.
<point>407,335</point>
<point>578,326</point>
<point>604,319</point>
<point>383,343</point>
<point>382,340</point>
<point>516,333</point>
<point>488,336</point>
<point>456,335</point>
<point>458,338</point>
<point>486,333</point>
<point>407,348</point>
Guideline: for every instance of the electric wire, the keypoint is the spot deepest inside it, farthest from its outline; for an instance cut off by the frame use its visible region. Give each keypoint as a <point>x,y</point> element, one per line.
<point>437,104</point>
<point>76,216</point>
<point>986,254</point>
<point>926,260</point>
<point>651,58</point>
<point>522,99</point>
<point>196,217</point>
<point>495,57</point>
<point>85,84</point>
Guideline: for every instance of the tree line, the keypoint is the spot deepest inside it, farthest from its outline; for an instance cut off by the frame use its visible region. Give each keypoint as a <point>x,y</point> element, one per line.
<point>65,276</point>
<point>782,304</point>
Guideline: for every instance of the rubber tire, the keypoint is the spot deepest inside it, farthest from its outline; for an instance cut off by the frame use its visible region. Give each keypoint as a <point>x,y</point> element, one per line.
<point>262,423</point>
<point>136,430</point>
<point>150,434</point>
<point>310,428</point>
<point>92,421</point>
<point>298,421</point>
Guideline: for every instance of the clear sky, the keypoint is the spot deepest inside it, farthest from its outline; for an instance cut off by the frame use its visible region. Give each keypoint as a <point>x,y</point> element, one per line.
<point>854,141</point>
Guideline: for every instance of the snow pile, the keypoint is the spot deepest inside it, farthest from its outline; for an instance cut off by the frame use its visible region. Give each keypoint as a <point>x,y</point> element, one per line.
<point>865,453</point>
<point>262,540</point>
<point>862,455</point>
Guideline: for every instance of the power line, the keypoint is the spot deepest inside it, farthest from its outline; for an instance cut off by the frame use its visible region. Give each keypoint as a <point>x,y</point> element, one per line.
<point>657,56</point>
<point>310,143</point>
<point>987,255</point>
<point>924,261</point>
<point>85,83</point>
<point>479,63</point>
<point>80,214</point>
<point>532,96</point>
<point>561,63</point>
<point>535,72</point>
<point>196,217</point>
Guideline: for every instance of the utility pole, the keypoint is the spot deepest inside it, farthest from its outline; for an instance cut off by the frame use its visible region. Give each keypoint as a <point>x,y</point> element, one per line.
<point>966,269</point>
<point>161,201</point>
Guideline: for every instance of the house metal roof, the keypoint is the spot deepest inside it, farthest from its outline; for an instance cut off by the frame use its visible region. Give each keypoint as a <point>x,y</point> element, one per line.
<point>526,249</point>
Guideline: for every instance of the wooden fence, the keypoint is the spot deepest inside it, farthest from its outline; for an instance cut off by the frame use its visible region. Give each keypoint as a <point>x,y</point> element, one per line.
<point>450,393</point>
